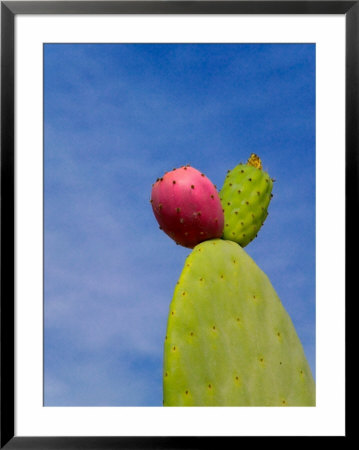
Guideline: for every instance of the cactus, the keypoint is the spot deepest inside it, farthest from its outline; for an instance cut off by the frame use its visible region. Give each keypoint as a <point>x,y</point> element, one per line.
<point>187,207</point>
<point>229,340</point>
<point>245,197</point>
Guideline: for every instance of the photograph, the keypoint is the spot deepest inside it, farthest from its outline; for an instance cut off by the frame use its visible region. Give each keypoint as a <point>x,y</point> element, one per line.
<point>177,180</point>
<point>179,224</point>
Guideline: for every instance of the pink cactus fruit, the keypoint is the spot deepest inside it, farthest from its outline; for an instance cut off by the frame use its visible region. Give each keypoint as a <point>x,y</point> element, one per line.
<point>187,206</point>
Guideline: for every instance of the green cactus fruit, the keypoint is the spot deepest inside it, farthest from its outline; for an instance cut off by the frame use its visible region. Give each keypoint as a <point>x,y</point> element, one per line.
<point>229,340</point>
<point>245,196</point>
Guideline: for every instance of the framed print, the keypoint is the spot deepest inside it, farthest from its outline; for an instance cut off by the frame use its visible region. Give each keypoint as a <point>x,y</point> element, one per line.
<point>176,181</point>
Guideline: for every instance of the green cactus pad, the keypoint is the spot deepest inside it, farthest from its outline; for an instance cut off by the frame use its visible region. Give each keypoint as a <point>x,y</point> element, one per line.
<point>245,196</point>
<point>229,340</point>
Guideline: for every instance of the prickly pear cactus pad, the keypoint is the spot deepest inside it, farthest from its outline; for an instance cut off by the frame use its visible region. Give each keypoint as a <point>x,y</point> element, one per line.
<point>245,197</point>
<point>229,340</point>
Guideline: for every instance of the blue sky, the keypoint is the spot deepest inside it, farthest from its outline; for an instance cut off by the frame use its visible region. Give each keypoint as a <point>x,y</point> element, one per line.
<point>116,117</point>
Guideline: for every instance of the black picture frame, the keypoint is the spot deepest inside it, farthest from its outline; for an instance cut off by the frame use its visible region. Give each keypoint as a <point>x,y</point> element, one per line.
<point>9,9</point>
